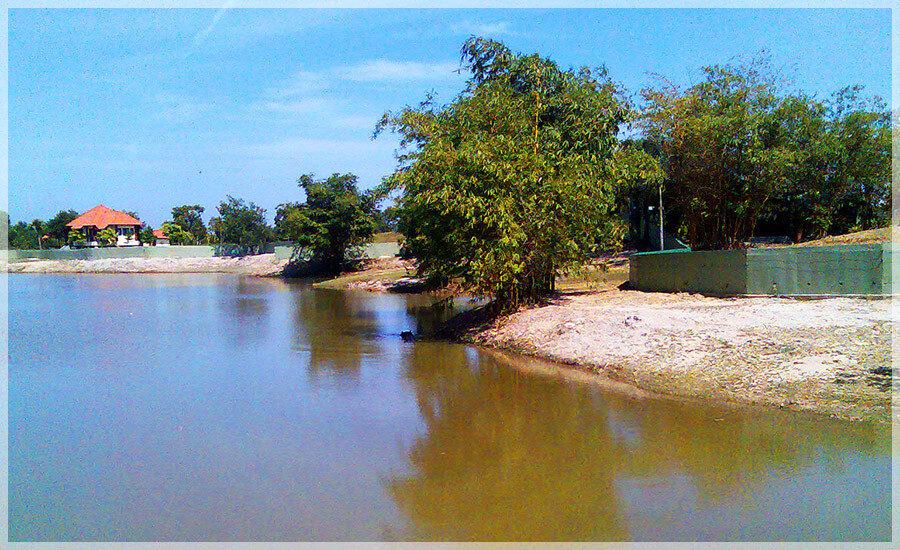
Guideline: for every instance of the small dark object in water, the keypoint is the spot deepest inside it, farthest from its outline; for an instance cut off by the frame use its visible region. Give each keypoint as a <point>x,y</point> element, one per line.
<point>407,336</point>
<point>882,371</point>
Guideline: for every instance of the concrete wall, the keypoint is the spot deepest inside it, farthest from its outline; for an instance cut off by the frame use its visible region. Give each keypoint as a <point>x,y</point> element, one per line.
<point>844,269</point>
<point>707,271</point>
<point>281,252</point>
<point>856,269</point>
<point>127,252</point>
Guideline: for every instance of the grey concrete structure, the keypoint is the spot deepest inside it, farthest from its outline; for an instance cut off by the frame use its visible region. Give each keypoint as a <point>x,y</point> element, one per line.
<point>853,269</point>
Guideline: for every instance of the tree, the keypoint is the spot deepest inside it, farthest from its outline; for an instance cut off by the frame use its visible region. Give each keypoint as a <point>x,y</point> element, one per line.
<point>721,148</point>
<point>176,234</point>
<point>241,224</point>
<point>147,236</point>
<point>515,179</point>
<point>23,236</point>
<point>57,230</point>
<point>840,180</point>
<point>75,236</point>
<point>107,237</point>
<point>332,224</point>
<point>189,218</point>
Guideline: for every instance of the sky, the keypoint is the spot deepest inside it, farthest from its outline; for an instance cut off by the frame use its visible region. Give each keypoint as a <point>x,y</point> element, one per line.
<point>147,109</point>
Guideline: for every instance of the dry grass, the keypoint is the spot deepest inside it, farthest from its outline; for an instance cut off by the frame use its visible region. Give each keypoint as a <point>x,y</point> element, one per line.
<point>880,235</point>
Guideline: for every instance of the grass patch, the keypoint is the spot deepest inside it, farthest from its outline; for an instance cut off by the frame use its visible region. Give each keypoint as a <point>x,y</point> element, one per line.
<point>344,281</point>
<point>389,237</point>
<point>605,275</point>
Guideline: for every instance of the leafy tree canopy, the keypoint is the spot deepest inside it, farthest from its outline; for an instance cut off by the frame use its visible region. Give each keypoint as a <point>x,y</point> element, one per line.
<point>334,221</point>
<point>107,237</point>
<point>56,228</point>
<point>176,234</point>
<point>147,236</point>
<point>240,223</point>
<point>515,179</point>
<point>738,151</point>
<point>190,219</point>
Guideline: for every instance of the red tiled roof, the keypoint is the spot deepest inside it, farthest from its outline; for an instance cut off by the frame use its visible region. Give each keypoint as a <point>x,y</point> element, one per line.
<point>102,217</point>
<point>160,234</point>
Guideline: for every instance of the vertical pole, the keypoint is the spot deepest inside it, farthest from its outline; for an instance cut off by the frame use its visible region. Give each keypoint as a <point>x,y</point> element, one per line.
<point>662,242</point>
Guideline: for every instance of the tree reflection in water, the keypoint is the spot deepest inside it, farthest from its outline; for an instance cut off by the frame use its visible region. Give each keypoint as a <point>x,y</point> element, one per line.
<point>515,456</point>
<point>336,330</point>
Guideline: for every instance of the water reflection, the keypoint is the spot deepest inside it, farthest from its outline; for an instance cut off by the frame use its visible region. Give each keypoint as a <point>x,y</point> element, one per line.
<point>514,456</point>
<point>335,330</point>
<point>243,409</point>
<point>244,311</point>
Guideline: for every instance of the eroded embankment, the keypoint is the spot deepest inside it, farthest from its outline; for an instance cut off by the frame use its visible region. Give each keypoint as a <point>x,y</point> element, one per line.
<point>829,355</point>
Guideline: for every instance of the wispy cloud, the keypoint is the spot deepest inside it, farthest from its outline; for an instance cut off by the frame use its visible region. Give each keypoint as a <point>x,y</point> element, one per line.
<point>301,83</point>
<point>299,106</point>
<point>176,108</point>
<point>201,36</point>
<point>384,70</point>
<point>326,94</point>
<point>482,29</point>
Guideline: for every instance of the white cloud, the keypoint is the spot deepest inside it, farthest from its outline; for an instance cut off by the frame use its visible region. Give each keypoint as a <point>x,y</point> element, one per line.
<point>482,29</point>
<point>201,36</point>
<point>383,70</point>
<point>176,108</point>
<point>299,106</point>
<point>301,83</point>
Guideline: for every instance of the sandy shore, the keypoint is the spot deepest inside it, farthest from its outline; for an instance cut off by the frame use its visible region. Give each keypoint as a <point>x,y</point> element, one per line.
<point>263,265</point>
<point>830,355</point>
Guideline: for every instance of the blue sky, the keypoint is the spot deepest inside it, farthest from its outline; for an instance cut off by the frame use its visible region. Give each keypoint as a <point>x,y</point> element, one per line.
<point>144,110</point>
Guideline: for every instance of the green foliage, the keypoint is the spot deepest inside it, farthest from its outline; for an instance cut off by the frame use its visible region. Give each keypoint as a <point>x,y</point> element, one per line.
<point>332,224</point>
<point>840,182</point>
<point>739,152</point>
<point>147,236</point>
<point>22,236</point>
<point>4,230</point>
<point>240,223</point>
<point>189,218</point>
<point>176,234</point>
<point>75,236</point>
<point>107,237</point>
<point>515,179</point>
<point>56,229</point>
<point>721,149</point>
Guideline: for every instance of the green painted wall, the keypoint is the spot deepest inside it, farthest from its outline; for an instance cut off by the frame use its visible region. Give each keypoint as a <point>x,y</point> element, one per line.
<point>860,269</point>
<point>840,269</point>
<point>708,271</point>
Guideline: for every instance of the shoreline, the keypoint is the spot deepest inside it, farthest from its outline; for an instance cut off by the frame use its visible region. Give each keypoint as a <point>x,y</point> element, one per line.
<point>262,265</point>
<point>829,356</point>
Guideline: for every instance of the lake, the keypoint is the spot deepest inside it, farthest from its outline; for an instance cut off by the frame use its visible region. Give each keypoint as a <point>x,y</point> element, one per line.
<point>221,408</point>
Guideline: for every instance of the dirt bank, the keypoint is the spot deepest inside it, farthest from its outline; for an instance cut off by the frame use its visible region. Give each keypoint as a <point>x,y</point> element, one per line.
<point>831,355</point>
<point>263,265</point>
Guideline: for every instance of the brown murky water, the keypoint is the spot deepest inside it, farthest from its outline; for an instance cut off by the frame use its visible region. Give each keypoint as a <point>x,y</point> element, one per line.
<point>219,408</point>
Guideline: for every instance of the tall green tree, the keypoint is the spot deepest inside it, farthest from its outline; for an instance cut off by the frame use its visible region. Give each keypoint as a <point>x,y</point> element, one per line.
<point>332,223</point>
<point>515,179</point>
<point>240,223</point>
<point>23,236</point>
<point>176,234</point>
<point>147,236</point>
<point>721,149</point>
<point>190,218</point>
<point>56,229</point>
